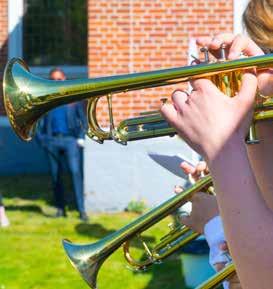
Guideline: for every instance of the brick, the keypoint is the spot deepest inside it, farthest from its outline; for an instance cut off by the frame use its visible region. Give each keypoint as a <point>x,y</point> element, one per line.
<point>142,35</point>
<point>3,42</point>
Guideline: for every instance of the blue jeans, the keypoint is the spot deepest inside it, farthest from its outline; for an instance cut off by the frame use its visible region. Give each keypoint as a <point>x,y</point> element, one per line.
<point>66,146</point>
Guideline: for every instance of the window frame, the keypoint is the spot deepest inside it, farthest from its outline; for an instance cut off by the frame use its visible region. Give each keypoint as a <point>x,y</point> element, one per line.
<point>239,7</point>
<point>15,44</point>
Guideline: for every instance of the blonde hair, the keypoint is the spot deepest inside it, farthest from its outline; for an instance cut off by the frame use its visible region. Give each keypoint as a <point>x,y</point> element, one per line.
<point>258,21</point>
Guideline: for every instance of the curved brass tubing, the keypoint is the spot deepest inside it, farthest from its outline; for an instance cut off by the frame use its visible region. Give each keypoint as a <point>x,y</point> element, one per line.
<point>214,281</point>
<point>87,259</point>
<point>176,239</point>
<point>28,97</point>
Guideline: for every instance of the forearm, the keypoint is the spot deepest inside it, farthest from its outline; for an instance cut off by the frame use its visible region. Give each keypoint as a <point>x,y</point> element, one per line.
<point>248,222</point>
<point>261,159</point>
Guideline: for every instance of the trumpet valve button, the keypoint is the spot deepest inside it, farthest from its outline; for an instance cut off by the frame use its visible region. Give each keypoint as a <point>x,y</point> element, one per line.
<point>164,100</point>
<point>171,226</point>
<point>205,50</point>
<point>140,127</point>
<point>223,56</point>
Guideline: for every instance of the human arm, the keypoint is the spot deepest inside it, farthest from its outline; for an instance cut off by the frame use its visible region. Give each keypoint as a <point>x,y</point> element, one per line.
<point>215,126</point>
<point>248,221</point>
<point>260,155</point>
<point>205,219</point>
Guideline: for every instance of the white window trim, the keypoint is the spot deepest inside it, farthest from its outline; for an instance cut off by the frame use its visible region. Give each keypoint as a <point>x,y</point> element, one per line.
<point>15,28</point>
<point>238,10</point>
<point>15,43</point>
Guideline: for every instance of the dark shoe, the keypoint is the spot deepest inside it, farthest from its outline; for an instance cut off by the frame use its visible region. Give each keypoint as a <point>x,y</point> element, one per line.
<point>60,213</point>
<point>84,217</point>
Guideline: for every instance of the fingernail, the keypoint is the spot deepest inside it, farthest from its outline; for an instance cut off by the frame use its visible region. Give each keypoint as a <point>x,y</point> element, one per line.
<point>182,94</point>
<point>164,100</point>
<point>176,92</point>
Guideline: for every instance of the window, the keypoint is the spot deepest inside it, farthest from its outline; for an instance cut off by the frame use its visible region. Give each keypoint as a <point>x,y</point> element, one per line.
<point>55,32</point>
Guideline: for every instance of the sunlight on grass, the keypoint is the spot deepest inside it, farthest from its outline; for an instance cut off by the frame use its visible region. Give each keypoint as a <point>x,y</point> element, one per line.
<point>32,256</point>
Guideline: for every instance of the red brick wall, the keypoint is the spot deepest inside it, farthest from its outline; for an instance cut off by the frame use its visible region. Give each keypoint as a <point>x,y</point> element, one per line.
<point>140,35</point>
<point>3,41</point>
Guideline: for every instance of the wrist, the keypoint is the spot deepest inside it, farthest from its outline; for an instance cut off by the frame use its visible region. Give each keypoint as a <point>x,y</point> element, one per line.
<point>220,152</point>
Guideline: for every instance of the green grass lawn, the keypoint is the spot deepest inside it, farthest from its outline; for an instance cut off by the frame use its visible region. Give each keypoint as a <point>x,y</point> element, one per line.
<point>32,256</point>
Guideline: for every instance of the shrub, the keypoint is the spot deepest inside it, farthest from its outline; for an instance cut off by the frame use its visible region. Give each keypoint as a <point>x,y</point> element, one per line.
<point>135,206</point>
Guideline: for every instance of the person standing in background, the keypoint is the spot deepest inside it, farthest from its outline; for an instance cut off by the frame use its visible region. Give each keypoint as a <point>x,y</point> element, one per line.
<point>4,221</point>
<point>61,134</point>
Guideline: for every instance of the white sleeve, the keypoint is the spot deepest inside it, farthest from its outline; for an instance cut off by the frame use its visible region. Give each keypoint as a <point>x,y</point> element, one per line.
<point>214,234</point>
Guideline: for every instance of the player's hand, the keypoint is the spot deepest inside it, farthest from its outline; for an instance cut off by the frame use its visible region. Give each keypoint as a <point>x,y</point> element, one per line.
<point>236,45</point>
<point>207,119</point>
<point>204,206</point>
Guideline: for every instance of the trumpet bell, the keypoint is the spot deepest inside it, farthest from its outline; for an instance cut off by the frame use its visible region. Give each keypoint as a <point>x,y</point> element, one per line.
<point>17,98</point>
<point>85,260</point>
<point>27,97</point>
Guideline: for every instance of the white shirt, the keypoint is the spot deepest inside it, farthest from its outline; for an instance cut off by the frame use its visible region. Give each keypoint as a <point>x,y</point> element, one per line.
<point>214,234</point>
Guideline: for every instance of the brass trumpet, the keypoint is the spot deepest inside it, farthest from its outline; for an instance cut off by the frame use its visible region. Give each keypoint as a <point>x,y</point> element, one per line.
<point>27,97</point>
<point>179,236</point>
<point>87,259</point>
<point>170,243</point>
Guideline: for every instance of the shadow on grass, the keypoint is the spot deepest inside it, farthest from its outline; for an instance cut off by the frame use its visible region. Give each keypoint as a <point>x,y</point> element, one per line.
<point>29,187</point>
<point>34,187</point>
<point>171,274</point>
<point>93,230</point>
<point>168,277</point>
<point>29,208</point>
<point>168,274</point>
<point>24,208</point>
<point>98,231</point>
